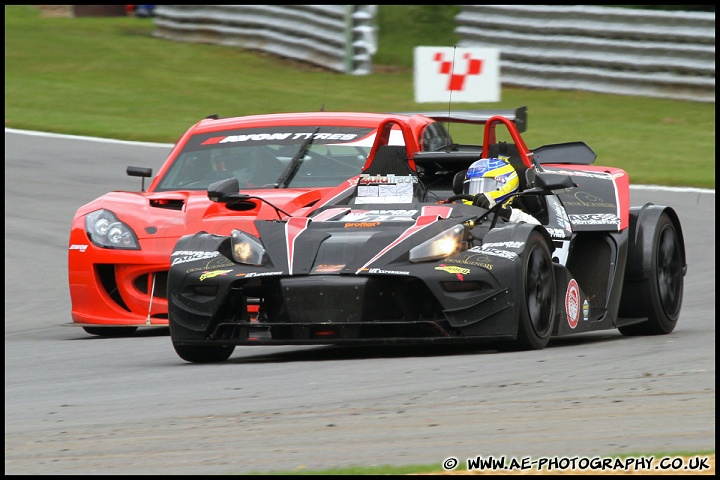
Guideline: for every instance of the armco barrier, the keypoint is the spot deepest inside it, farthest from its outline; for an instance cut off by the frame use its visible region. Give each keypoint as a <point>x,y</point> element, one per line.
<point>338,37</point>
<point>602,49</point>
<point>578,47</point>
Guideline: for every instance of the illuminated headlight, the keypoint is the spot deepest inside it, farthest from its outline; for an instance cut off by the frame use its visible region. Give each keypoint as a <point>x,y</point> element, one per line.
<point>246,249</point>
<point>440,246</point>
<point>105,230</point>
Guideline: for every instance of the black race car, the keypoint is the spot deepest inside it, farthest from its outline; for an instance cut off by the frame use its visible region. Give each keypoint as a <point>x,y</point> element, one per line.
<point>401,254</point>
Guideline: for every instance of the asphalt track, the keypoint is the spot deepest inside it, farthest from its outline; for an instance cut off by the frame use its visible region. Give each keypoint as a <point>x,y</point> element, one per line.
<point>77,404</point>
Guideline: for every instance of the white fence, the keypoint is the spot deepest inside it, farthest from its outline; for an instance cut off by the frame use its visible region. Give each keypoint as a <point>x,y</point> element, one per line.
<point>578,47</point>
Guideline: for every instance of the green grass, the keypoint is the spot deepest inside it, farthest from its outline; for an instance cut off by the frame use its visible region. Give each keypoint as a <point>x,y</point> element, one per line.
<point>109,77</point>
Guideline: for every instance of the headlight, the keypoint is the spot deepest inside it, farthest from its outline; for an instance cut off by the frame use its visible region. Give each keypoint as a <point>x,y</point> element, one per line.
<point>105,230</point>
<point>440,246</point>
<point>246,249</point>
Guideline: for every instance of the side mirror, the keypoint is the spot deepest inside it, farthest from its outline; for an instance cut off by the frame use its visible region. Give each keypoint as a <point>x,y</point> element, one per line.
<point>553,182</point>
<point>550,183</point>
<point>228,192</point>
<point>224,190</point>
<point>140,172</point>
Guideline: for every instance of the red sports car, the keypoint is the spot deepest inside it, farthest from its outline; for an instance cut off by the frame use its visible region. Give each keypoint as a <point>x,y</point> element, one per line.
<point>121,243</point>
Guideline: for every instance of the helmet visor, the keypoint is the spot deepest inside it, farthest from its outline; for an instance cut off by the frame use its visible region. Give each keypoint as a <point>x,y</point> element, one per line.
<point>474,186</point>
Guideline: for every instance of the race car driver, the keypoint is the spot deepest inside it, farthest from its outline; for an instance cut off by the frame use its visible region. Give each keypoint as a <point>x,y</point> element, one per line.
<point>493,181</point>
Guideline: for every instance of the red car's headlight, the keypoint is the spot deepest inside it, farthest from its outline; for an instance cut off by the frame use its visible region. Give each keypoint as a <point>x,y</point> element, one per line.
<point>106,231</point>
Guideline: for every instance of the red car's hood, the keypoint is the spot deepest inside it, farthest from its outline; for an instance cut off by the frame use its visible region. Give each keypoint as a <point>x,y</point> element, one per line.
<point>173,214</point>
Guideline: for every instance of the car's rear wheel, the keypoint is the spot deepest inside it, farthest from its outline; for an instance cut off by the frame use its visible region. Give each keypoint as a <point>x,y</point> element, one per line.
<point>537,309</point>
<point>110,331</point>
<point>662,291</point>
<point>204,354</point>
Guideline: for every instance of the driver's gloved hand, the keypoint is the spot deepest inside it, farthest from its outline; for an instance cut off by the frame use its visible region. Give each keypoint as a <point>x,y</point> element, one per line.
<point>484,200</point>
<point>518,215</point>
<point>505,212</point>
<point>515,215</point>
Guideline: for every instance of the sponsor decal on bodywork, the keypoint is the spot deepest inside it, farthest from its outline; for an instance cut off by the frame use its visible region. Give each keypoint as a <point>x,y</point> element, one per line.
<point>214,273</point>
<point>80,248</point>
<point>459,271</point>
<point>494,252</point>
<point>281,137</point>
<point>572,303</point>
<point>595,219</point>
<point>514,245</point>
<point>561,217</point>
<point>474,259</point>
<point>217,262</point>
<point>555,232</point>
<point>501,253</point>
<point>453,269</point>
<point>387,179</point>
<point>258,274</point>
<point>184,256</point>
<point>585,199</point>
<point>380,271</point>
<point>361,224</point>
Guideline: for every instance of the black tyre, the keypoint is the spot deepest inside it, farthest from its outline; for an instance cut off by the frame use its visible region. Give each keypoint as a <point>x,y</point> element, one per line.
<point>662,291</point>
<point>179,334</point>
<point>537,311</point>
<point>204,354</point>
<point>110,331</point>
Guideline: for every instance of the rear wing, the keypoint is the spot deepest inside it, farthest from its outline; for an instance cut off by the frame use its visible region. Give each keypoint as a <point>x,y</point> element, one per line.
<point>518,116</point>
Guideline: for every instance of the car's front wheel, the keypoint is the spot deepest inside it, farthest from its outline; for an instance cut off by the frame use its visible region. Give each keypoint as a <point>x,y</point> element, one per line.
<point>537,300</point>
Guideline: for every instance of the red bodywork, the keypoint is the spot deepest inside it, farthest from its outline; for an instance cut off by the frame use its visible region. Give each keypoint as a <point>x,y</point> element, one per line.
<point>111,287</point>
